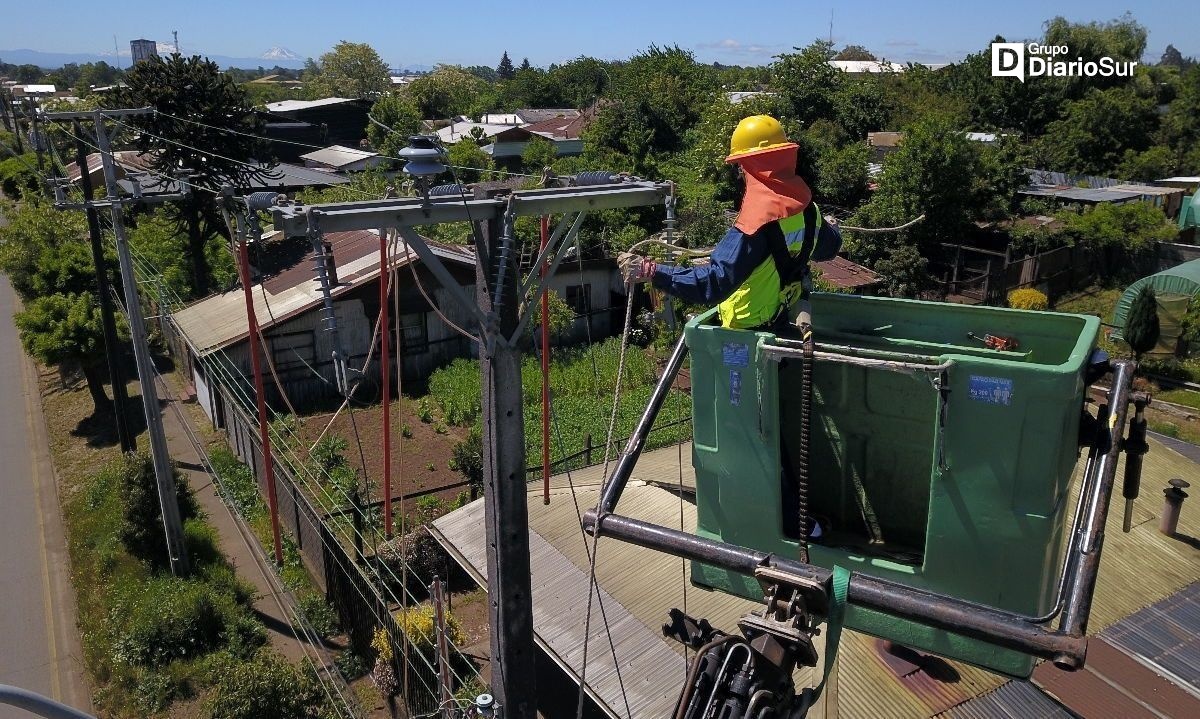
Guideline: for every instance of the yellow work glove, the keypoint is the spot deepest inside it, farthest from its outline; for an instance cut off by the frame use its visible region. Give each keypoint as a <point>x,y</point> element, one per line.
<point>635,268</point>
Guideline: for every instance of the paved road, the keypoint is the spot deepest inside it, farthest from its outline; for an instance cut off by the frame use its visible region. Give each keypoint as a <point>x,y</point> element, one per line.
<point>39,644</point>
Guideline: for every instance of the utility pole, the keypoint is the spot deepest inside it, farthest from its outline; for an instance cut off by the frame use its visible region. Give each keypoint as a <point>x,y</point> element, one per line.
<point>506,514</point>
<point>163,471</point>
<point>112,345</point>
<point>245,221</point>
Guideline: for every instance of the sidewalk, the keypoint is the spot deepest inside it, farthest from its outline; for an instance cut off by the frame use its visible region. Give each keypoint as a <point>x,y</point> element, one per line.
<point>272,604</point>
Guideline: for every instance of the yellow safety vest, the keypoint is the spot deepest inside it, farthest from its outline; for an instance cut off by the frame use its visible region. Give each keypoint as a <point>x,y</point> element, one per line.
<point>758,300</point>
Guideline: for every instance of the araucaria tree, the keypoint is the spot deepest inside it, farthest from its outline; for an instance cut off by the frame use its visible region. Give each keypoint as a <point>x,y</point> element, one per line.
<point>203,124</point>
<point>1141,324</point>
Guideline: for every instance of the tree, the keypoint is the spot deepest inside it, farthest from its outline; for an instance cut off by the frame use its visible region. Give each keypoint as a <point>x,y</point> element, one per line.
<point>525,64</point>
<point>66,330</point>
<point>204,142</point>
<point>658,96</point>
<point>504,71</point>
<point>156,239</point>
<point>855,52</point>
<point>1172,57</point>
<point>350,69</point>
<point>842,174</point>
<point>401,115</point>
<point>1153,164</point>
<point>141,529</point>
<point>468,458</point>
<point>1096,130</point>
<point>937,172</point>
<point>1141,324</point>
<point>538,153</point>
<point>448,91</point>
<point>466,154</point>
<point>807,82</point>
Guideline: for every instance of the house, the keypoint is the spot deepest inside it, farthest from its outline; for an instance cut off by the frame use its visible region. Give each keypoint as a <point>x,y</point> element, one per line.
<point>339,158</point>
<point>883,144</point>
<point>343,121</point>
<point>281,177</point>
<point>564,132</point>
<point>288,303</point>
<point>1089,190</point>
<point>529,115</point>
<point>290,310</point>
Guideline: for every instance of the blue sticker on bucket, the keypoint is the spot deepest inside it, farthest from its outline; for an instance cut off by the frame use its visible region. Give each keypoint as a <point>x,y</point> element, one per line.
<point>735,354</point>
<point>735,388</point>
<point>992,390</point>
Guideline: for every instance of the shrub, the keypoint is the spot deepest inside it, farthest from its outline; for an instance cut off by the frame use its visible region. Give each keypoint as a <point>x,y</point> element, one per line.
<point>330,451</point>
<point>1141,324</point>
<point>319,614</point>
<point>417,550</point>
<point>1028,299</point>
<point>141,513</point>
<point>425,410</point>
<point>417,623</point>
<point>237,485</point>
<point>166,619</point>
<point>267,687</point>
<point>406,432</point>
<point>17,176</point>
<point>468,458</point>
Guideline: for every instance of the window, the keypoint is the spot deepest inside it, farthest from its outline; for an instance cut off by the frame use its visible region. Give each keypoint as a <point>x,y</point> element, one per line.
<point>290,351</point>
<point>414,335</point>
<point>579,299</point>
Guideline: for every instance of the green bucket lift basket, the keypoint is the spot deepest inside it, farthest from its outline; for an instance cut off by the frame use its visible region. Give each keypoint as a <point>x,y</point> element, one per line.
<point>935,461</point>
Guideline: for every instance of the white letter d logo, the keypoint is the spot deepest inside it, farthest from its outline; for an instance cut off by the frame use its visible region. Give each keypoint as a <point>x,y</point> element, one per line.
<point>1008,60</point>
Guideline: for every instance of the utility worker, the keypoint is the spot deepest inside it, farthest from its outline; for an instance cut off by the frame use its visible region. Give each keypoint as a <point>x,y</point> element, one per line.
<point>758,274</point>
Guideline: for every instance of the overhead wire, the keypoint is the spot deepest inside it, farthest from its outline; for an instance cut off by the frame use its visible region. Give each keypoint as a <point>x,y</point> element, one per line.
<point>298,621</point>
<point>302,471</point>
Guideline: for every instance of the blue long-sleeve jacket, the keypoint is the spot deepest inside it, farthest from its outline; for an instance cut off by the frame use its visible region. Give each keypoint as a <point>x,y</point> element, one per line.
<point>732,261</point>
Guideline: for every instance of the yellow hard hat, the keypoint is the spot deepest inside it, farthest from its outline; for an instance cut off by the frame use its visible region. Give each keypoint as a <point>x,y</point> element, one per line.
<point>755,133</point>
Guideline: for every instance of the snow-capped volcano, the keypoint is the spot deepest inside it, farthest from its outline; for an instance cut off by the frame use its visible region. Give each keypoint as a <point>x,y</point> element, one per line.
<point>279,53</point>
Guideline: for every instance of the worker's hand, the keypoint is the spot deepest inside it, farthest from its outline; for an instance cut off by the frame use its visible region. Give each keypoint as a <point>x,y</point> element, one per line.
<point>635,268</point>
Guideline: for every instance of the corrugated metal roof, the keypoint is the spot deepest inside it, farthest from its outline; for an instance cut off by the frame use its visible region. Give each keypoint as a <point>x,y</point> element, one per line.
<point>846,274</point>
<point>292,105</point>
<point>1147,189</point>
<point>338,156</point>
<point>530,114</point>
<point>218,321</point>
<point>1137,569</point>
<point>1012,700</point>
<point>647,584</point>
<point>1165,635</point>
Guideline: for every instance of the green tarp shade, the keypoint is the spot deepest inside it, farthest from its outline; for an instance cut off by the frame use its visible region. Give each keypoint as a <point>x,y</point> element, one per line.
<point>1173,289</point>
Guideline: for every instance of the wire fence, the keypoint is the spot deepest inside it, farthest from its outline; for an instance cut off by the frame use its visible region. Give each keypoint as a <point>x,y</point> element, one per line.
<point>340,555</point>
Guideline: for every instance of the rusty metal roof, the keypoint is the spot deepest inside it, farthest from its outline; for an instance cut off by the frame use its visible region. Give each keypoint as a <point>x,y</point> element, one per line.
<point>218,321</point>
<point>846,274</point>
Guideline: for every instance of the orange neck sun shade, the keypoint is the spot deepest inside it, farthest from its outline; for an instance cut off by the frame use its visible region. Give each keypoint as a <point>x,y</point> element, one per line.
<point>773,189</point>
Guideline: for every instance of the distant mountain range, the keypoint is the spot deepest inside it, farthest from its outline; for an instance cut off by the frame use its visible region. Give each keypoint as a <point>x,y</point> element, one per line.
<point>280,56</point>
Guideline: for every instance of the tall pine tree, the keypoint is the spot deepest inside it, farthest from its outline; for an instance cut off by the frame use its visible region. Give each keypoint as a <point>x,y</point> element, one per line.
<point>504,70</point>
<point>1141,324</point>
<point>525,64</point>
<point>204,124</point>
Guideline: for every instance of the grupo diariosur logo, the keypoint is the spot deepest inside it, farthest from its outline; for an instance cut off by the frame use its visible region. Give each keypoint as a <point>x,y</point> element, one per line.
<point>1024,60</point>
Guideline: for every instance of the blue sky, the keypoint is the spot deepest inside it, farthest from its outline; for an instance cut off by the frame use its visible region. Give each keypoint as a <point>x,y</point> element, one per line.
<point>468,32</point>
